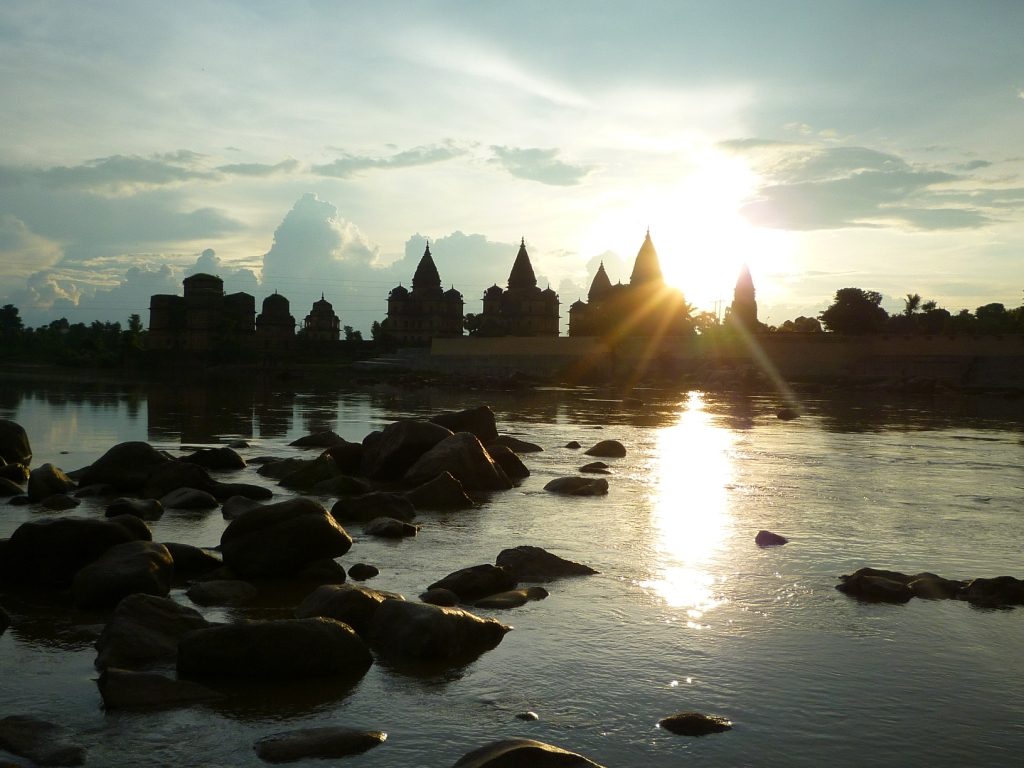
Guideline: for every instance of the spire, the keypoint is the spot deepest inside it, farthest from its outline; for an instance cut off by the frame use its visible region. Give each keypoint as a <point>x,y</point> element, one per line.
<point>646,268</point>
<point>600,286</point>
<point>522,276</point>
<point>426,280</point>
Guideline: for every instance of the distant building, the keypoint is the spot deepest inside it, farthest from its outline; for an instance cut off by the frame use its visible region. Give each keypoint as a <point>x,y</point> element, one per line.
<point>321,325</point>
<point>425,312</point>
<point>646,306</point>
<point>522,309</point>
<point>743,311</point>
<point>203,319</point>
<point>275,326</point>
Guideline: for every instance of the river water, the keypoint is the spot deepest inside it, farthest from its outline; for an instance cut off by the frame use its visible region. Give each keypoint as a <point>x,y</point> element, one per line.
<point>686,614</point>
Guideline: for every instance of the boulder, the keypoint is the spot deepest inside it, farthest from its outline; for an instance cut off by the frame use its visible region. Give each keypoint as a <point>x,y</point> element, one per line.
<point>234,506</point>
<point>316,743</point>
<point>14,444</point>
<point>440,597</point>
<point>928,586</point>
<point>288,648</point>
<point>513,598</point>
<point>145,629</point>
<point>48,480</point>
<point>607,449</point>
<point>362,571</point>
<point>510,464</point>
<point>125,466</point>
<point>876,586</point>
<point>9,488</point>
<point>389,455</point>
<point>476,582</point>
<point>341,485</point>
<point>312,473</point>
<point>189,498</point>
<point>419,633</point>
<point>16,473</point>
<point>278,468</point>
<point>573,445</point>
<point>362,509</point>
<point>348,603</point>
<point>596,468</point>
<point>993,593</point>
<point>465,458</point>
<point>522,753</point>
<point>221,592</point>
<point>124,569</point>
<point>768,539</point>
<point>42,742</point>
<point>513,444</point>
<point>94,490</point>
<point>694,724</point>
<point>127,689</point>
<point>281,539</point>
<point>60,502</point>
<point>787,414</point>
<point>443,492</point>
<point>527,563</point>
<point>144,509</point>
<point>324,439</point>
<point>216,459</point>
<point>478,421</point>
<point>192,562</point>
<point>48,552</point>
<point>169,477</point>
<point>347,456</point>
<point>390,528</point>
<point>578,486</point>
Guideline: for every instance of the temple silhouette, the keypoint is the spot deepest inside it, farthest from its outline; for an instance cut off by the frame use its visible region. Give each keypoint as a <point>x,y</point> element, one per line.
<point>425,312</point>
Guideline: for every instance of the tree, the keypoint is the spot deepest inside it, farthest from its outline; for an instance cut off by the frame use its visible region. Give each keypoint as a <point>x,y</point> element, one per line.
<point>351,334</point>
<point>855,311</point>
<point>10,320</point>
<point>376,331</point>
<point>911,304</point>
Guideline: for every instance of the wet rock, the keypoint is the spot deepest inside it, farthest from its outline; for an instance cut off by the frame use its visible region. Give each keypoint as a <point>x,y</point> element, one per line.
<point>443,492</point>
<point>527,716</point>
<point>362,571</point>
<point>787,414</point>
<point>574,445</point>
<point>513,444</point>
<point>931,587</point>
<point>694,724</point>
<point>325,571</point>
<point>607,449</point>
<point>15,474</point>
<point>440,596</point>
<point>348,603</point>
<point>189,498</point>
<point>276,468</point>
<point>19,501</point>
<point>288,648</point>
<point>993,593</point>
<point>127,689</point>
<point>310,474</point>
<point>281,539</point>
<point>347,456</point>
<point>420,633</point>
<point>342,485</point>
<point>216,459</point>
<point>476,582</point>
<point>596,468</point>
<point>513,598</point>
<point>192,562</point>
<point>124,569</point>
<point>221,592</point>
<point>578,486</point>
<point>510,464</point>
<point>324,439</point>
<point>239,445</point>
<point>527,563</point>
<point>145,629</point>
<point>125,466</point>
<point>768,539</point>
<point>94,490</point>
<point>234,506</point>
<point>319,743</point>
<point>876,586</point>
<point>389,455</point>
<point>362,509</point>
<point>465,458</point>
<point>390,528</point>
<point>144,509</point>
<point>478,421</point>
<point>14,443</point>
<point>59,502</point>
<point>522,753</point>
<point>48,480</point>
<point>42,742</point>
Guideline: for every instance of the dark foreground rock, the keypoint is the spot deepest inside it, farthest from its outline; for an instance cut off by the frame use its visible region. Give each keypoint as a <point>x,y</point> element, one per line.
<point>127,689</point>
<point>124,466</point>
<point>221,592</point>
<point>578,486</point>
<point>348,603</point>
<point>325,439</point>
<point>363,571</point>
<point>362,509</point>
<point>443,492</point>
<point>42,742</point>
<point>522,753</point>
<point>191,562</point>
<point>144,509</point>
<point>125,569</point>
<point>418,633</point>
<point>694,724</point>
<point>14,443</point>
<point>477,581</point>
<point>607,449</point>
<point>993,593</point>
<point>768,539</point>
<point>320,743</point>
<point>48,480</point>
<point>513,598</point>
<point>145,629</point>
<point>527,563</point>
<point>220,459</point>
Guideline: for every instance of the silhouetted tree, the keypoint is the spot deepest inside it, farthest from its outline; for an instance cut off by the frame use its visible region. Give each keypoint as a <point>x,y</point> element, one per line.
<point>10,320</point>
<point>351,334</point>
<point>376,331</point>
<point>911,304</point>
<point>855,310</point>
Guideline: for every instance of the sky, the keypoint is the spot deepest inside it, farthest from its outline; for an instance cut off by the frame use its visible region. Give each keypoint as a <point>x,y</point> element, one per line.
<point>317,147</point>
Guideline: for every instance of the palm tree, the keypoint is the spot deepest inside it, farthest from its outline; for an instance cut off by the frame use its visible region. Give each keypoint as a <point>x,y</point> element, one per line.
<point>911,303</point>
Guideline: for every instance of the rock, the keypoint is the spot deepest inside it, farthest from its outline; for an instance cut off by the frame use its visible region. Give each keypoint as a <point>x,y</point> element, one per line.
<point>342,485</point>
<point>510,464</point>
<point>239,445</point>
<point>390,528</point>
<point>873,586</point>
<point>324,439</point>
<point>527,716</point>
<point>169,477</point>
<point>281,539</point>
<point>94,490</point>
<point>234,506</point>
<point>192,562</point>
<point>478,421</point>
<point>217,459</point>
<point>19,501</point>
<point>578,486</point>
<point>608,449</point>
<point>144,509</point>
<point>124,569</point>
<point>9,488</point>
<point>59,502</point>
<point>596,468</point>
<point>288,648</point>
<point>48,552</point>
<point>189,498</point>
<point>320,743</point>
<point>476,582</point>
<point>768,539</point>
<point>527,563</point>
<point>512,599</point>
<point>931,587</point>
<point>48,480</point>
<point>787,414</point>
<point>443,492</point>
<point>362,509</point>
<point>16,473</point>
<point>574,445</point>
<point>398,447</point>
<point>362,571</point>
<point>125,466</point>
<point>145,629</point>
<point>308,475</point>
<point>279,468</point>
<point>221,592</point>
<point>320,572</point>
<point>42,742</point>
<point>348,603</point>
<point>993,593</point>
<point>440,596</point>
<point>465,458</point>
<point>694,724</point>
<point>14,443</point>
<point>126,689</point>
<point>347,456</point>
<point>419,633</point>
<point>522,753</point>
<point>513,444</point>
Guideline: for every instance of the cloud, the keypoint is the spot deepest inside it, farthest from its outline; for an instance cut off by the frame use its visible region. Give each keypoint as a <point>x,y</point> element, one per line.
<point>536,164</point>
<point>22,251</point>
<point>973,165</point>
<point>349,165</point>
<point>235,280</point>
<point>259,169</point>
<point>126,174</point>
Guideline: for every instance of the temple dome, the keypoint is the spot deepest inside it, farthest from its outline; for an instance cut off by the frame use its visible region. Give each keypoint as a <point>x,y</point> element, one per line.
<point>399,292</point>
<point>493,292</point>
<point>275,302</point>
<point>451,293</point>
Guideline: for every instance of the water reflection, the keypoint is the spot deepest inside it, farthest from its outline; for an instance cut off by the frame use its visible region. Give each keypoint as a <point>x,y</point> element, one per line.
<point>692,468</point>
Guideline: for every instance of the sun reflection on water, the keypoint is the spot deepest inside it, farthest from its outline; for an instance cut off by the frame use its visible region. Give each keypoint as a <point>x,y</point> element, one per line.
<point>692,469</point>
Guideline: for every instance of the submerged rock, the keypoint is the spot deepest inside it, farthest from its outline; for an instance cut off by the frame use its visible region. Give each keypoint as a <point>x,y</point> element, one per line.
<point>189,498</point>
<point>221,592</point>
<point>513,598</point>
<point>127,689</point>
<point>873,585</point>
<point>787,414</point>
<point>694,724</point>
<point>60,502</point>
<point>522,753</point>
<point>993,593</point>
<point>319,743</point>
<point>477,581</point>
<point>578,486</point>
<point>42,742</point>
<point>325,439</point>
<point>420,633</point>
<point>514,444</point>
<point>573,445</point>
<point>362,571</point>
<point>527,563</point>
<point>768,539</point>
<point>607,448</point>
<point>362,509</point>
